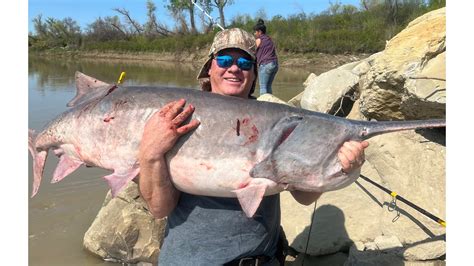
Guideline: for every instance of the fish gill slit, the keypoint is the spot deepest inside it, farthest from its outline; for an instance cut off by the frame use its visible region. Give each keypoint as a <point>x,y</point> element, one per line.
<point>286,133</point>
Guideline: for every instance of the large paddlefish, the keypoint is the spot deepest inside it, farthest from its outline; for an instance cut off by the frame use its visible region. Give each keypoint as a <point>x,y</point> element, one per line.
<point>242,148</point>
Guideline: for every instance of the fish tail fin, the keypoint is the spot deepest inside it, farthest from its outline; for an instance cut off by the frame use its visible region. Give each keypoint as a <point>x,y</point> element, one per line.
<point>31,142</point>
<point>39,158</point>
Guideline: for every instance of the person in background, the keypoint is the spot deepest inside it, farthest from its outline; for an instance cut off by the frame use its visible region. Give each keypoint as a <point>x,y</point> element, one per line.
<point>204,230</point>
<point>267,60</point>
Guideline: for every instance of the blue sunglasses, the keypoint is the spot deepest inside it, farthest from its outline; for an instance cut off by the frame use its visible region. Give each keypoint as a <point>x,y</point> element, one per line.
<point>226,61</point>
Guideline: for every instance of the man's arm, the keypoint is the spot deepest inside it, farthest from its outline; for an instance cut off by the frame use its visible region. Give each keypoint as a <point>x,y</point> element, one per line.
<point>351,155</point>
<point>160,134</point>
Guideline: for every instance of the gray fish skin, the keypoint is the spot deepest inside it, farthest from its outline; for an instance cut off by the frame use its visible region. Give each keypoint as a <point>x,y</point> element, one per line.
<point>242,148</point>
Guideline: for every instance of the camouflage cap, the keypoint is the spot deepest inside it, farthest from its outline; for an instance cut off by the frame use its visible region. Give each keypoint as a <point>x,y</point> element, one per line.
<point>230,38</point>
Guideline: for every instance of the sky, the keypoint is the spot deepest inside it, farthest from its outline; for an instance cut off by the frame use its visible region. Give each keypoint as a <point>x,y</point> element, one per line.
<point>87,11</point>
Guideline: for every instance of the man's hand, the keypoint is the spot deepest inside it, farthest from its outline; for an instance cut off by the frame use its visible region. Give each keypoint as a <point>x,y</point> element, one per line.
<point>161,132</point>
<point>351,155</point>
<point>164,128</point>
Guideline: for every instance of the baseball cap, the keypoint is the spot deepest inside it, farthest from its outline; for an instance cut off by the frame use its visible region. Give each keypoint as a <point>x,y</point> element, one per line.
<point>229,38</point>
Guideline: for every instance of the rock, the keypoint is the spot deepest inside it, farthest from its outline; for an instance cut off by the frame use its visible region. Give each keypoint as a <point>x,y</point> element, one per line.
<point>328,91</point>
<point>413,166</point>
<point>328,260</point>
<point>358,245</point>
<point>355,113</point>
<point>144,264</point>
<point>309,79</point>
<point>426,251</point>
<point>387,242</point>
<point>408,80</point>
<point>426,263</point>
<point>371,246</point>
<point>392,253</point>
<point>349,66</point>
<point>124,230</point>
<point>373,258</point>
<point>267,97</point>
<point>296,101</point>
<point>364,65</point>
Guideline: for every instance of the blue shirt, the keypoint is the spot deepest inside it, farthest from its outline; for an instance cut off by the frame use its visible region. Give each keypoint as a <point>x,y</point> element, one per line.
<point>212,231</point>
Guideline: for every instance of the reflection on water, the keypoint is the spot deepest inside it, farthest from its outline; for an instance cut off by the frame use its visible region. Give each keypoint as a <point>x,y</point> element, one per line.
<point>61,213</point>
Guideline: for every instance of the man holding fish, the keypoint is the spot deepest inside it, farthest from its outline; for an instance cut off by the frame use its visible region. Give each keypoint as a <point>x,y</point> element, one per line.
<point>205,230</point>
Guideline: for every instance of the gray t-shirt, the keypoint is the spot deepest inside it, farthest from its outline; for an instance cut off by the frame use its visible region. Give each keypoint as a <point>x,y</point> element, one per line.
<point>213,231</point>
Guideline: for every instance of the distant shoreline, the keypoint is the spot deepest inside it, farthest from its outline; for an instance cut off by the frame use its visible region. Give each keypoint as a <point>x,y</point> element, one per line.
<point>198,57</point>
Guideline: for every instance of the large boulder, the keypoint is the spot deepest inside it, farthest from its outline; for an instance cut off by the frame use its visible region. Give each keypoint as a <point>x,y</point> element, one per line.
<point>327,92</point>
<point>413,165</point>
<point>335,91</point>
<point>295,101</point>
<point>124,230</point>
<point>408,79</point>
<point>267,97</point>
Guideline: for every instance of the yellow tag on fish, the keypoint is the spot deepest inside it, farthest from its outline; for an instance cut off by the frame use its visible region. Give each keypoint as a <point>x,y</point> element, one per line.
<point>122,75</point>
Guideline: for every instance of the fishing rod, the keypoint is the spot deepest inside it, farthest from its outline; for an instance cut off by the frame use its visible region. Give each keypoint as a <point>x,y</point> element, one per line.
<point>214,22</point>
<point>400,198</point>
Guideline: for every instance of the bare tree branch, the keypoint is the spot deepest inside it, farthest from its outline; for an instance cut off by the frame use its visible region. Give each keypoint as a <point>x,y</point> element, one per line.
<point>132,22</point>
<point>119,29</point>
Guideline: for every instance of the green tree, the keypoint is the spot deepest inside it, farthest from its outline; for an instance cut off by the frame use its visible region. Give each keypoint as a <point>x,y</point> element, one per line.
<point>435,4</point>
<point>39,26</point>
<point>106,29</point>
<point>56,33</point>
<point>176,7</point>
<point>152,28</point>
<point>220,4</point>
<point>207,22</point>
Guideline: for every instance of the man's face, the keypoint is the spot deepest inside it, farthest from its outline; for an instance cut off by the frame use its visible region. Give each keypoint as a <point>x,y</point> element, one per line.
<point>232,80</point>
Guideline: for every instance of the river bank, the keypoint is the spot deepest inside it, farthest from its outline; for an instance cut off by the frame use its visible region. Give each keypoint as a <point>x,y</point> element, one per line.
<point>306,60</point>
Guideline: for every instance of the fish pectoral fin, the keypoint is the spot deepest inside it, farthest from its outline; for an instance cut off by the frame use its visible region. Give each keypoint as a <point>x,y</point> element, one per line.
<point>250,197</point>
<point>119,179</point>
<point>65,166</point>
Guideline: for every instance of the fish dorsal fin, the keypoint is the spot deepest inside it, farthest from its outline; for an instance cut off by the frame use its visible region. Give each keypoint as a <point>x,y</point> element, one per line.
<point>85,87</point>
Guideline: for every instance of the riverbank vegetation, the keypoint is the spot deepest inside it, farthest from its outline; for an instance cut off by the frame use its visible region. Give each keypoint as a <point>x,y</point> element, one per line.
<point>337,30</point>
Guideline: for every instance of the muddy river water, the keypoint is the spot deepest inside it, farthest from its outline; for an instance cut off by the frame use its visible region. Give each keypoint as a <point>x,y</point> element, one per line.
<point>61,213</point>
